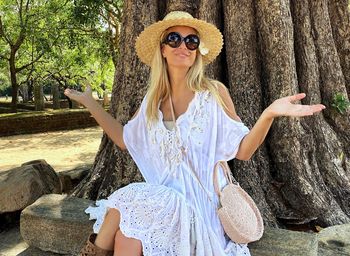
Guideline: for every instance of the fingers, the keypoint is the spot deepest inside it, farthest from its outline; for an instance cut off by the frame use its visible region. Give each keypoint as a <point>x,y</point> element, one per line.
<point>68,92</point>
<point>309,110</point>
<point>313,108</point>
<point>317,107</point>
<point>296,97</point>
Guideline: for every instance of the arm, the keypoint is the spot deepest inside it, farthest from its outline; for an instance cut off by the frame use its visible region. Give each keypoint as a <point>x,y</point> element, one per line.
<point>111,126</point>
<point>280,107</point>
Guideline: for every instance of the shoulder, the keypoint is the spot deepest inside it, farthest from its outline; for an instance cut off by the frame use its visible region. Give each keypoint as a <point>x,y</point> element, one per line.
<point>227,103</point>
<point>220,89</point>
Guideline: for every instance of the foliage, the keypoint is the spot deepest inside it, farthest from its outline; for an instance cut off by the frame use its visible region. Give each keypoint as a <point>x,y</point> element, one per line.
<point>340,103</point>
<point>103,18</point>
<point>64,42</point>
<point>4,84</point>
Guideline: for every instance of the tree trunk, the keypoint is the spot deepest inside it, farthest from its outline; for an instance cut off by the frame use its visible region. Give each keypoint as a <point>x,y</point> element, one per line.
<point>272,49</point>
<point>13,78</point>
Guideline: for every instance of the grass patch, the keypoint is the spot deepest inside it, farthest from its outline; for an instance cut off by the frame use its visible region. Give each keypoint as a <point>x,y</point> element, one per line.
<point>49,112</point>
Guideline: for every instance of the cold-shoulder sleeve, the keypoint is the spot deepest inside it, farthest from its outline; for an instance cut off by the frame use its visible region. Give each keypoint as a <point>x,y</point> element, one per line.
<point>136,141</point>
<point>229,135</point>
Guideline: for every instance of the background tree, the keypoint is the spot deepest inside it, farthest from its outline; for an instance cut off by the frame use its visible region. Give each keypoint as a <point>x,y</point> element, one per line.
<point>54,43</point>
<point>28,23</point>
<point>272,49</point>
<point>94,14</point>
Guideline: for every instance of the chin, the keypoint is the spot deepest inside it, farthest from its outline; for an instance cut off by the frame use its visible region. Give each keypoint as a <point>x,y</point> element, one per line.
<point>181,64</point>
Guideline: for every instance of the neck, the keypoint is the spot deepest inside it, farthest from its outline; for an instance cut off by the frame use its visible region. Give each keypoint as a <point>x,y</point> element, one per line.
<point>177,77</point>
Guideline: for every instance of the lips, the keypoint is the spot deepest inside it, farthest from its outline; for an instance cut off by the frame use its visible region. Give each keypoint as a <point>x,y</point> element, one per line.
<point>183,55</point>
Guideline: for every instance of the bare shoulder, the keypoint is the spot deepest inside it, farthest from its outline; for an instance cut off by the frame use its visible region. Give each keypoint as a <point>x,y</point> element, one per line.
<point>226,98</point>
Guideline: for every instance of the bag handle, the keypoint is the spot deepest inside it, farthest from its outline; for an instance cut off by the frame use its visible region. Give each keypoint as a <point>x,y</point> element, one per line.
<point>227,173</point>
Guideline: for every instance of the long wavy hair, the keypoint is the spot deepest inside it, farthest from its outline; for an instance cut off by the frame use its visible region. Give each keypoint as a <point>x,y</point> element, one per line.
<point>159,85</point>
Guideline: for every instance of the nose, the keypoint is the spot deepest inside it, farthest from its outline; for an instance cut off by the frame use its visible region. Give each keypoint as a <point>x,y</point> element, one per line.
<point>183,45</point>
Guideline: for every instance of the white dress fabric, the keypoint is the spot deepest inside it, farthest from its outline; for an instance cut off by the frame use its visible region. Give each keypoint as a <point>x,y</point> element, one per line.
<point>170,213</point>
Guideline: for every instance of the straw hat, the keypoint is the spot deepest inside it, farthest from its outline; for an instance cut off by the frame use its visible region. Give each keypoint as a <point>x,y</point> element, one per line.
<point>210,37</point>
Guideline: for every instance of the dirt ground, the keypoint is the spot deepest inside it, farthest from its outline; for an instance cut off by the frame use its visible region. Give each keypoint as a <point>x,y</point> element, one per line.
<point>63,150</point>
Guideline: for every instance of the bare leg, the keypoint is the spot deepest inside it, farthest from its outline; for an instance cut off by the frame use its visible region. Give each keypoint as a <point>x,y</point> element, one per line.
<point>125,246</point>
<point>108,230</point>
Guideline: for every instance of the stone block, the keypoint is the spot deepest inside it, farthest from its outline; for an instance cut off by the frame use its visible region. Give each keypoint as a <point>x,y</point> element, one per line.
<point>277,242</point>
<point>334,240</point>
<point>56,223</point>
<point>21,186</point>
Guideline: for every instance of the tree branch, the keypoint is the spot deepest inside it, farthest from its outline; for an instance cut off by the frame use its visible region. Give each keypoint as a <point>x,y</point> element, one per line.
<point>20,6</point>
<point>32,62</point>
<point>28,77</point>
<point>2,33</point>
<point>22,35</point>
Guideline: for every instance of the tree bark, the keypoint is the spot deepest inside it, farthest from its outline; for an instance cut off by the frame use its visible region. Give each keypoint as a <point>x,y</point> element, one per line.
<point>13,78</point>
<point>340,22</point>
<point>244,84</point>
<point>272,49</point>
<point>327,160</point>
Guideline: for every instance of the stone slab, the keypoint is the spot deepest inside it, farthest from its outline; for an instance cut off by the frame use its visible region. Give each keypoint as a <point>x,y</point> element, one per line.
<point>56,223</point>
<point>334,240</point>
<point>277,242</point>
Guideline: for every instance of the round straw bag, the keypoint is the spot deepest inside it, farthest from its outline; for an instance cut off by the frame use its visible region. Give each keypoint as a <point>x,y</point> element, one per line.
<point>239,215</point>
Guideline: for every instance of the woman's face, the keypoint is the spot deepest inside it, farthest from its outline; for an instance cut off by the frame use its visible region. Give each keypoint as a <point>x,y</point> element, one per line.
<point>180,56</point>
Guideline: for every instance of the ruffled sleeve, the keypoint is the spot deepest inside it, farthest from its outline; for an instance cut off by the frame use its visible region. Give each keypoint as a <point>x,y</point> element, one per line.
<point>229,135</point>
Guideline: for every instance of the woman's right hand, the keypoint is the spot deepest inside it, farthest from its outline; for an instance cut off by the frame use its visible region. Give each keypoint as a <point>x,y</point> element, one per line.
<point>80,97</point>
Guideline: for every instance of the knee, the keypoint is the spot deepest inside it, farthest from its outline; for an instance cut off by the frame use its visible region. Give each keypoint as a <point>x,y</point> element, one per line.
<point>113,216</point>
<point>125,244</point>
<point>112,212</point>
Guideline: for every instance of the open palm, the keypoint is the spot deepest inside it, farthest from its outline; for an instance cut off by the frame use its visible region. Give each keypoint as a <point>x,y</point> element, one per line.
<point>285,107</point>
<point>81,97</point>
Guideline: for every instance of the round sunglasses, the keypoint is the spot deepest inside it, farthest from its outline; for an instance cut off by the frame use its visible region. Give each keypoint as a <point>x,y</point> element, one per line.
<point>174,40</point>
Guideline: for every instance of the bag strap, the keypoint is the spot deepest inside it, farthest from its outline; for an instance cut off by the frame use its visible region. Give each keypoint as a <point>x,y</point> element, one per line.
<point>223,164</point>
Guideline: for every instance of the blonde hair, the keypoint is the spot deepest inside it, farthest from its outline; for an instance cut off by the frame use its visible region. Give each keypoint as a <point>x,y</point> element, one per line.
<point>159,85</point>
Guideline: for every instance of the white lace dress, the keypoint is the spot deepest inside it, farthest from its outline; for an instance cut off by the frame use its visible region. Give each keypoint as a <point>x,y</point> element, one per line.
<point>170,213</point>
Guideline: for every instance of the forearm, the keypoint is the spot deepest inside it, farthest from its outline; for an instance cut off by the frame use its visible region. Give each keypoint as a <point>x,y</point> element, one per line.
<point>111,126</point>
<point>255,137</point>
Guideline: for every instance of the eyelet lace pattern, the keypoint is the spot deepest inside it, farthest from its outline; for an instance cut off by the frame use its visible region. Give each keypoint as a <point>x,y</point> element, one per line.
<point>160,224</point>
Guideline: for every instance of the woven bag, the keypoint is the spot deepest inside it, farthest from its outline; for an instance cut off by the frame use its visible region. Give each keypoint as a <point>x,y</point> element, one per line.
<point>239,215</point>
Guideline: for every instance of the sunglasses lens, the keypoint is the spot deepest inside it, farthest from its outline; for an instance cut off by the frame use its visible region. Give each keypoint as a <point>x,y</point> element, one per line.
<point>173,39</point>
<point>192,42</point>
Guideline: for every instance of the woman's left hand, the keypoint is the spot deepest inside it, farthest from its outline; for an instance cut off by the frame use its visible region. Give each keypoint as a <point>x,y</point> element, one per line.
<point>285,107</point>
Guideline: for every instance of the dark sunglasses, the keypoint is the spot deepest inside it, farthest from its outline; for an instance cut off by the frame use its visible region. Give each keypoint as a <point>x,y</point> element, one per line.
<point>174,40</point>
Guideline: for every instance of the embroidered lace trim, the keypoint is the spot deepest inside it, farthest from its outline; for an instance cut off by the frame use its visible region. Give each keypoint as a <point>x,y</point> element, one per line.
<point>172,142</point>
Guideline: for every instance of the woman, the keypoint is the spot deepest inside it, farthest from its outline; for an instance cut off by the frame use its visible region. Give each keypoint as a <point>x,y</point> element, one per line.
<point>185,122</point>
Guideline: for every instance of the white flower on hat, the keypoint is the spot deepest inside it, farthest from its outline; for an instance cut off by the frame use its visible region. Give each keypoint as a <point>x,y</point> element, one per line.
<point>202,49</point>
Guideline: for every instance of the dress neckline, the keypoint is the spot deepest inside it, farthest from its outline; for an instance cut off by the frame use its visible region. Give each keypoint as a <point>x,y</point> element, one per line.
<point>183,115</point>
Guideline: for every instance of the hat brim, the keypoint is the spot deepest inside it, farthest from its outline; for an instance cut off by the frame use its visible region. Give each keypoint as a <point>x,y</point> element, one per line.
<point>149,39</point>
